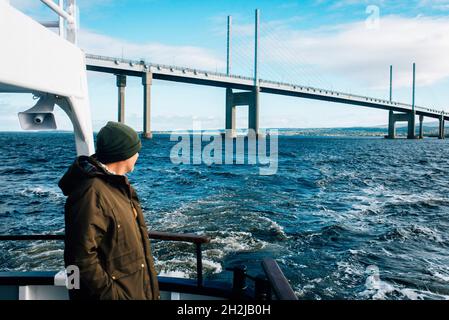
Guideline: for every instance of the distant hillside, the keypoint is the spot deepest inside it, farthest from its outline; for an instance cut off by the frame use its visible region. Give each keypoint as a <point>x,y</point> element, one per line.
<point>430,129</point>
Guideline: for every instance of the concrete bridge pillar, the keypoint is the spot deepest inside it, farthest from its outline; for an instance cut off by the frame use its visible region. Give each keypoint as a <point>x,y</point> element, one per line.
<point>441,134</point>
<point>411,126</point>
<point>246,98</point>
<point>147,79</point>
<point>421,133</point>
<point>253,111</point>
<point>391,125</point>
<point>121,85</point>
<point>401,117</point>
<point>230,113</point>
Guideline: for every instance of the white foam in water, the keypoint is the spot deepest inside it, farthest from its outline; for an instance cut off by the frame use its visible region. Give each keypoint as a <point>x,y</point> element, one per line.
<point>215,266</point>
<point>376,288</point>
<point>48,253</point>
<point>237,241</point>
<point>214,253</point>
<point>421,295</point>
<point>41,192</point>
<point>274,225</point>
<point>440,276</point>
<point>356,252</point>
<point>308,289</point>
<point>172,220</point>
<point>174,274</point>
<point>349,268</point>
<point>377,197</point>
<point>440,272</point>
<point>427,232</point>
<point>185,268</point>
<point>388,253</point>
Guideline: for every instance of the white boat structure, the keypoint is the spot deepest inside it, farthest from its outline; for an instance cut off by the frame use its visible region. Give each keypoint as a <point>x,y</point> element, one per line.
<point>51,67</point>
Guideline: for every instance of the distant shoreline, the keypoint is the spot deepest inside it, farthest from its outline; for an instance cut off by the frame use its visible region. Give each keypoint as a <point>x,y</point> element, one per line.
<point>429,131</point>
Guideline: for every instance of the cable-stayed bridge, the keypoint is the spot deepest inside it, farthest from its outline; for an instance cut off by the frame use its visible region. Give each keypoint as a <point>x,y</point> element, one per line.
<point>250,87</point>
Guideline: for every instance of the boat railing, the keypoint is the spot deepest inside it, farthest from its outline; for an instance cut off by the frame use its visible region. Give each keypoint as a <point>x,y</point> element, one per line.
<point>278,282</point>
<point>198,240</point>
<point>271,283</point>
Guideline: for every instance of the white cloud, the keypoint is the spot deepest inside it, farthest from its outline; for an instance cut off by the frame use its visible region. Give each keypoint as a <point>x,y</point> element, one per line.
<point>360,54</point>
<point>154,52</point>
<point>442,5</point>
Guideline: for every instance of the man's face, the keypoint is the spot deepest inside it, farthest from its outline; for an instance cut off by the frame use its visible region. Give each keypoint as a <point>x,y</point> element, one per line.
<point>131,162</point>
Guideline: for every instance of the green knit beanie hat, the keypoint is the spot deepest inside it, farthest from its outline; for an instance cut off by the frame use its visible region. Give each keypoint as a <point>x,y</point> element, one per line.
<point>116,142</point>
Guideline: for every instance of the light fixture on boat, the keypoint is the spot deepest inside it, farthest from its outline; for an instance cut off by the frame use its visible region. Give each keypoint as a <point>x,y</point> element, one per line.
<point>40,116</point>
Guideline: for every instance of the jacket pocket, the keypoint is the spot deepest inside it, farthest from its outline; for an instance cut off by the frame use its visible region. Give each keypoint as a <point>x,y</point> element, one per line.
<point>127,274</point>
<point>124,265</point>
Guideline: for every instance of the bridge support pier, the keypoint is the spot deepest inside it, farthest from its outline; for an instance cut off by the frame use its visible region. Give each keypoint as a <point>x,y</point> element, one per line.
<point>230,114</point>
<point>421,133</point>
<point>246,98</point>
<point>441,134</point>
<point>147,79</point>
<point>411,126</point>
<point>401,117</point>
<point>121,85</point>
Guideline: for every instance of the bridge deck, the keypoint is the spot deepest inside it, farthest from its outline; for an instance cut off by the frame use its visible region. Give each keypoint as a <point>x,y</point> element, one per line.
<point>216,79</point>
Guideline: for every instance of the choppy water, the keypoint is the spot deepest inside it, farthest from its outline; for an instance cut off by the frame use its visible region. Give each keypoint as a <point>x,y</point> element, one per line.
<point>346,218</point>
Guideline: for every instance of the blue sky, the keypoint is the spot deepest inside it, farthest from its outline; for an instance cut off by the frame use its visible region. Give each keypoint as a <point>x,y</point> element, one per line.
<point>339,45</point>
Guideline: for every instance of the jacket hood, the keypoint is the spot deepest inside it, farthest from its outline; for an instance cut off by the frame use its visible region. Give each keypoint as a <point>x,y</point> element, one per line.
<point>83,168</point>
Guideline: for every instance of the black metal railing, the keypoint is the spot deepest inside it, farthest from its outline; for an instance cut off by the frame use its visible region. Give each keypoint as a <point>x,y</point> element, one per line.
<point>198,240</point>
<point>271,282</point>
<point>278,282</point>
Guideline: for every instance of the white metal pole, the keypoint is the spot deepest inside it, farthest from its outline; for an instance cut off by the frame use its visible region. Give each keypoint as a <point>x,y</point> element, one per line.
<point>71,26</point>
<point>414,86</point>
<point>61,20</point>
<point>228,47</point>
<point>53,6</point>
<point>256,48</point>
<point>391,83</point>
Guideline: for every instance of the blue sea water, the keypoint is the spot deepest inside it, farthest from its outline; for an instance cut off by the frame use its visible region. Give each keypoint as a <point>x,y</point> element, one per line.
<point>345,217</point>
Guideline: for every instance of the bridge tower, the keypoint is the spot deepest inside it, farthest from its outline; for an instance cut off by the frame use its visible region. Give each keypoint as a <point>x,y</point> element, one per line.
<point>408,117</point>
<point>245,98</point>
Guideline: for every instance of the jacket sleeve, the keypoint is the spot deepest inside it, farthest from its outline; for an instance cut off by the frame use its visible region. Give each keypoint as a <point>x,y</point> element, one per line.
<point>86,226</point>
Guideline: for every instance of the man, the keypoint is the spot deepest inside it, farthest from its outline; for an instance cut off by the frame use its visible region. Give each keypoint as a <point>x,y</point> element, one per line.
<point>106,236</point>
